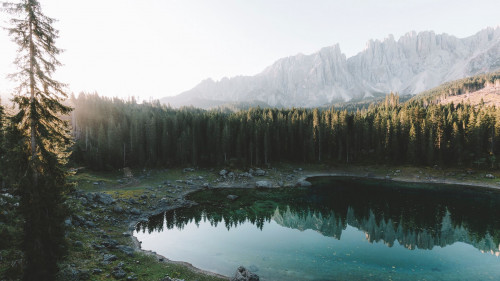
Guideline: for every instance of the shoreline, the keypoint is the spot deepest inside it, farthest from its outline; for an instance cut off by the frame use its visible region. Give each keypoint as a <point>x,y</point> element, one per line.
<point>186,203</point>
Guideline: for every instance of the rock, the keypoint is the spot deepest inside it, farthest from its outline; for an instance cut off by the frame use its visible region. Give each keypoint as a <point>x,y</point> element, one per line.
<point>231,175</point>
<point>259,173</point>
<point>67,222</point>
<point>168,278</point>
<point>144,196</point>
<point>242,274</point>
<point>489,176</point>
<point>103,198</point>
<point>96,271</point>
<point>119,273</point>
<point>90,224</point>
<point>206,185</point>
<point>246,175</point>
<point>188,170</point>
<point>370,175</point>
<point>263,184</point>
<point>134,211</point>
<point>118,209</point>
<point>126,234</point>
<point>84,275</point>
<point>129,251</point>
<point>398,171</point>
<point>107,258</point>
<point>132,277</point>
<point>303,183</point>
<point>232,197</point>
<point>222,172</point>
<point>110,244</point>
<point>78,244</point>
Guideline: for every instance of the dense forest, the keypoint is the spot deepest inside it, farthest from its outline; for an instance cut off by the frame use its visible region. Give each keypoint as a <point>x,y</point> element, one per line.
<point>112,133</point>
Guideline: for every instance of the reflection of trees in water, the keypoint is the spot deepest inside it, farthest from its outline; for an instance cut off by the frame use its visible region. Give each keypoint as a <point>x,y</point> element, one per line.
<point>416,218</point>
<point>387,231</point>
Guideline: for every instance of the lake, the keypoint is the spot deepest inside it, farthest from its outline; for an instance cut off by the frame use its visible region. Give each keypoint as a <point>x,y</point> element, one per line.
<point>341,228</point>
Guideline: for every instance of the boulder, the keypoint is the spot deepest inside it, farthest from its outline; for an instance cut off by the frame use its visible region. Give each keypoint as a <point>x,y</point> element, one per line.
<point>107,258</point>
<point>489,176</point>
<point>263,184</point>
<point>259,173</point>
<point>103,198</point>
<point>222,172</point>
<point>232,197</point>
<point>119,273</point>
<point>118,209</point>
<point>129,251</point>
<point>188,170</point>
<point>303,183</point>
<point>168,278</point>
<point>135,211</point>
<point>242,274</point>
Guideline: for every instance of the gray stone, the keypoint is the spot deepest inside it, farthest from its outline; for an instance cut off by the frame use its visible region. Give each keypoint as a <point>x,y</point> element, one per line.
<point>144,196</point>
<point>232,197</point>
<point>107,258</point>
<point>303,183</point>
<point>104,198</point>
<point>231,175</point>
<point>259,173</point>
<point>66,222</point>
<point>119,273</point>
<point>242,274</point>
<point>135,211</point>
<point>78,244</point>
<point>110,244</point>
<point>489,176</point>
<point>168,278</point>
<point>129,251</point>
<point>188,170</point>
<point>96,271</point>
<point>263,184</point>
<point>118,209</point>
<point>222,172</point>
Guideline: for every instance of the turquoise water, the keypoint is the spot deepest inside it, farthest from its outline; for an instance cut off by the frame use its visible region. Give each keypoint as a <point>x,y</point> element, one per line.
<point>339,229</point>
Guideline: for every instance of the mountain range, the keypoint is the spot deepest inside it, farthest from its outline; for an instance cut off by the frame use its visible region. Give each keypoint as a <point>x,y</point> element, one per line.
<point>414,63</point>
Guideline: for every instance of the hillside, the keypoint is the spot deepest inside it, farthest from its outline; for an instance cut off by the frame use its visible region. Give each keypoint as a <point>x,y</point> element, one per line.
<point>471,89</point>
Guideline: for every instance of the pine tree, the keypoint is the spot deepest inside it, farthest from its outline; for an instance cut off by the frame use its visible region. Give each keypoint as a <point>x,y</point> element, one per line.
<point>39,99</point>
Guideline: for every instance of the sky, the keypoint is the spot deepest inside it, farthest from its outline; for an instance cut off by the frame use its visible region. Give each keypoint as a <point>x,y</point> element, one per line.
<point>156,48</point>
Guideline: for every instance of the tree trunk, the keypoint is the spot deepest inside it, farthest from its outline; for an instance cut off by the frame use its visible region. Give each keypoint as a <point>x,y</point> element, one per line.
<point>32,104</point>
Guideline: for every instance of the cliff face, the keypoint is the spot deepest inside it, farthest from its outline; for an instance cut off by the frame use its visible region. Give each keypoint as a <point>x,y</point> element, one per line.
<point>414,63</point>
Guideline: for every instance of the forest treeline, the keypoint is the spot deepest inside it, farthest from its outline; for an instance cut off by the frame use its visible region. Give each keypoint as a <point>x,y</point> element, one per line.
<point>458,87</point>
<point>113,133</point>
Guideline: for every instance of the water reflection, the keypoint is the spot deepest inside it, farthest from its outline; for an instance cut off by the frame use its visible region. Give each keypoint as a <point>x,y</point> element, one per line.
<point>416,216</point>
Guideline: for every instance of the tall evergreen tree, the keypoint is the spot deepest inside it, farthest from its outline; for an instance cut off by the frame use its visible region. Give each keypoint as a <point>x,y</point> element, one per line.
<point>39,99</point>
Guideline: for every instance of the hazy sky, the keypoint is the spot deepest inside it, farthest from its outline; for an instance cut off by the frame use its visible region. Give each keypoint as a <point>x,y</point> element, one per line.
<point>156,48</point>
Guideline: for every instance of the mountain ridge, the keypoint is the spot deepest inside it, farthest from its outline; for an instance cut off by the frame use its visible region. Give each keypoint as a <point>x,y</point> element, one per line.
<point>414,63</point>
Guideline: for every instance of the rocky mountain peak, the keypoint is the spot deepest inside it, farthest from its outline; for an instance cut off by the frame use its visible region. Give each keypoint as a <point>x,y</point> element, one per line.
<point>414,63</point>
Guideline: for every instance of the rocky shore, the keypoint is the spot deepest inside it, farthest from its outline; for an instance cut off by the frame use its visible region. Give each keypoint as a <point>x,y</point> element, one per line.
<point>104,219</point>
